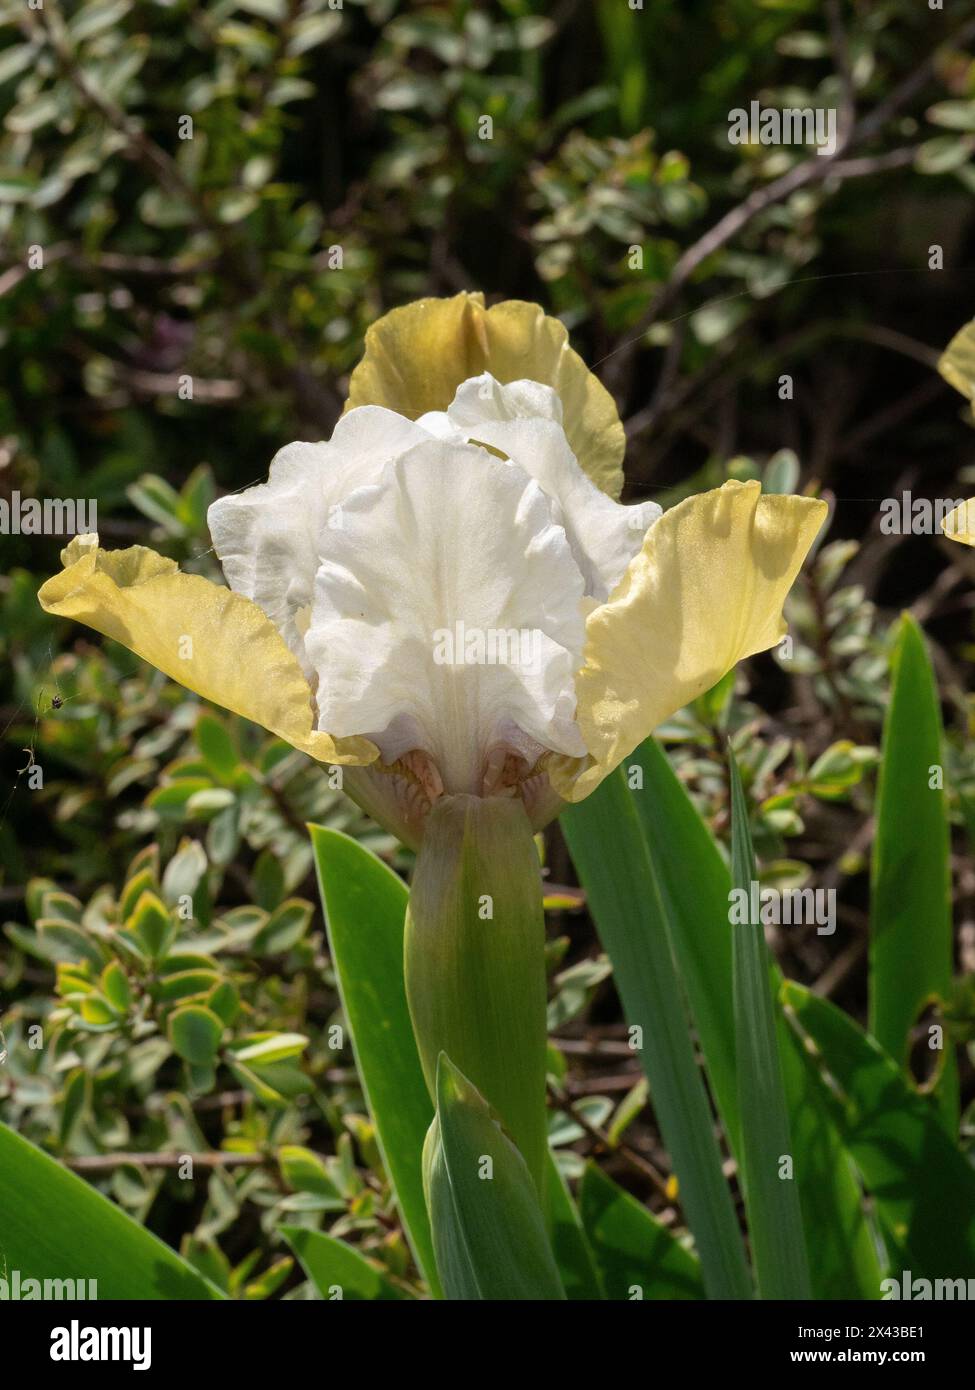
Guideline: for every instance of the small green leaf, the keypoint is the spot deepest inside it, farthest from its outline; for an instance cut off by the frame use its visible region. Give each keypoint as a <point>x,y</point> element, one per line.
<point>338,1271</point>
<point>62,941</point>
<point>273,10</point>
<point>311,30</point>
<point>234,204</point>
<point>207,1257</point>
<point>115,987</point>
<point>270,1281</point>
<point>159,208</point>
<point>953,115</point>
<point>170,800</point>
<point>152,925</point>
<point>158,500</point>
<point>195,1032</point>
<point>94,17</point>
<point>63,906</point>
<point>217,747</point>
<point>143,881</point>
<point>781,472</point>
<point>268,878</point>
<point>305,1172</point>
<point>96,1011</point>
<point>224,1000</point>
<point>77,1099</point>
<point>183,984</point>
<point>263,1089</point>
<point>35,894</point>
<point>264,1048</point>
<point>184,875</point>
<point>16,59</point>
<point>209,801</point>
<point>627,1111</point>
<point>30,115</point>
<point>944,153</point>
<point>284,928</point>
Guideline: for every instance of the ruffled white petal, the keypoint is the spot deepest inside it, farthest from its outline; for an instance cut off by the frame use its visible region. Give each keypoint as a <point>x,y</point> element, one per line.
<point>483,398</point>
<point>447,615</point>
<point>270,538</point>
<point>438,423</point>
<point>523,420</point>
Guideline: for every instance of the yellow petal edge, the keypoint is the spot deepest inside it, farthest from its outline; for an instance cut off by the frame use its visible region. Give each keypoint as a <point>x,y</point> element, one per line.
<point>957,362</point>
<point>959,525</point>
<point>957,366</point>
<point>706,590</point>
<point>416,356</point>
<point>209,639</point>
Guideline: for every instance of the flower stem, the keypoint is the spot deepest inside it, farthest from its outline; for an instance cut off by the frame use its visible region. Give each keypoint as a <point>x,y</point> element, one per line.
<point>475,964</point>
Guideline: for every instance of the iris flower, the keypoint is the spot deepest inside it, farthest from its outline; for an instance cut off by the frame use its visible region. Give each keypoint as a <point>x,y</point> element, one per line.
<point>447,598</point>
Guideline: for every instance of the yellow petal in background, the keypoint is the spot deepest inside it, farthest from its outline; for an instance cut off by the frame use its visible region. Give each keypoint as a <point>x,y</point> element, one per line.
<point>209,639</point>
<point>416,357</point>
<point>957,364</point>
<point>705,591</point>
<point>959,525</point>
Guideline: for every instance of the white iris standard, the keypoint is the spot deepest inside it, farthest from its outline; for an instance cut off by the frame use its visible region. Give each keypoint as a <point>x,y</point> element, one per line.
<point>433,578</point>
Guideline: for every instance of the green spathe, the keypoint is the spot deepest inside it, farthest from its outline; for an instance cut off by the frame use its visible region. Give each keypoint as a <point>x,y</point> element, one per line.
<point>474,960</point>
<point>488,1227</point>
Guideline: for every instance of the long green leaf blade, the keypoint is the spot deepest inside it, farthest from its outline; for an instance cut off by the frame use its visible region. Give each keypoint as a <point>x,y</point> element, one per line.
<point>922,1184</point>
<point>695,883</point>
<point>488,1226</point>
<point>638,1258</point>
<point>571,1248</point>
<point>53,1225</point>
<point>365,906</point>
<point>771,1196</point>
<point>910,915</point>
<point>610,853</point>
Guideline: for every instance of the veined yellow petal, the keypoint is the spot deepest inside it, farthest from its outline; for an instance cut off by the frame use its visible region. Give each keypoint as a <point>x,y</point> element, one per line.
<point>416,357</point>
<point>957,364</point>
<point>705,591</point>
<point>215,642</point>
<point>959,525</point>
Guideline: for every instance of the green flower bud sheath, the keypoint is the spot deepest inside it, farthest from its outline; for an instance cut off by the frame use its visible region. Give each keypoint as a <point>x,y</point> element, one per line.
<point>474,960</point>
